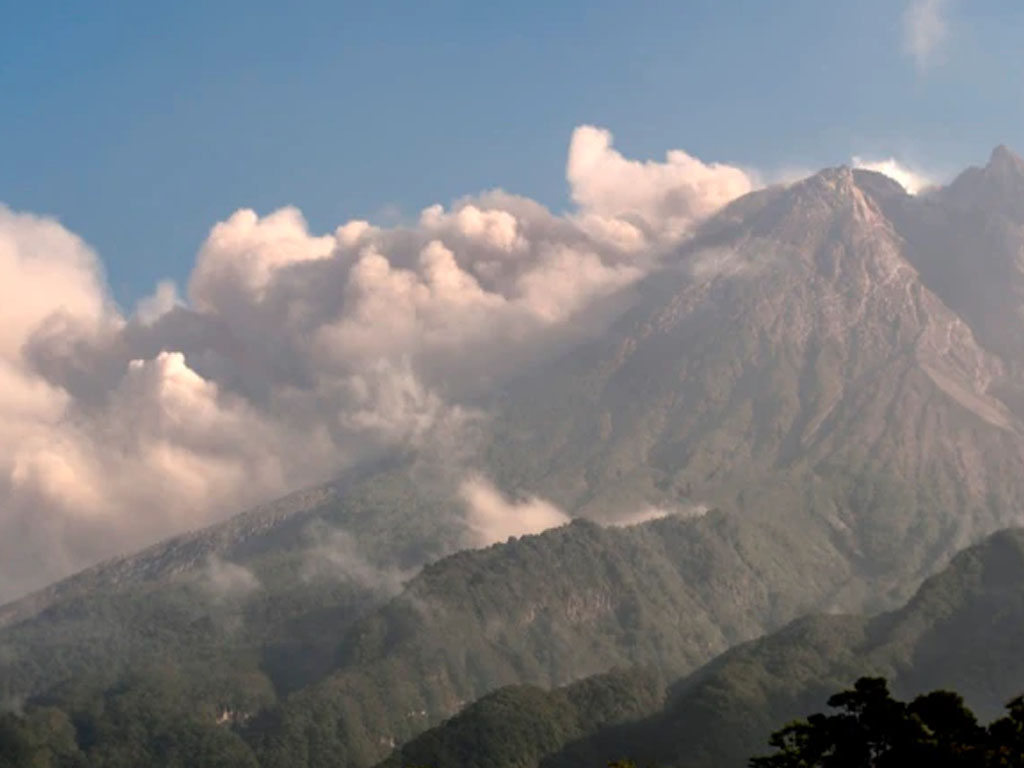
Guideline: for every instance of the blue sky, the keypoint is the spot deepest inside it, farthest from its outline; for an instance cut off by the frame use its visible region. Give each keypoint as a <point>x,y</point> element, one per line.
<point>140,125</point>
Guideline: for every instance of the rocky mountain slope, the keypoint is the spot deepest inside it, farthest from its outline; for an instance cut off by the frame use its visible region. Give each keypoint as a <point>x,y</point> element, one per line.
<point>965,240</point>
<point>792,356</point>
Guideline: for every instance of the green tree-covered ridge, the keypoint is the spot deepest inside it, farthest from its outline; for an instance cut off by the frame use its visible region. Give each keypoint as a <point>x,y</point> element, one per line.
<point>962,631</point>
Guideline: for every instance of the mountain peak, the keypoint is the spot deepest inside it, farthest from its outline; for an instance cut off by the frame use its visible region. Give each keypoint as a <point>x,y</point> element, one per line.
<point>838,177</point>
<point>845,182</point>
<point>1003,155</point>
<point>828,187</point>
<point>997,188</point>
<point>809,209</point>
<point>1006,169</point>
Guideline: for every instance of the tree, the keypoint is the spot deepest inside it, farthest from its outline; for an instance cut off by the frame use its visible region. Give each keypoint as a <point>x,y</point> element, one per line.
<point>871,729</point>
<point>1006,737</point>
<point>15,745</point>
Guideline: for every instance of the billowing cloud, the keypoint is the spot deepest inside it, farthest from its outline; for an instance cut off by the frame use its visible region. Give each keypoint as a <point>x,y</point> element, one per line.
<point>912,181</point>
<point>492,518</point>
<point>294,354</point>
<point>165,298</point>
<point>925,30</point>
<point>49,275</point>
<point>656,198</point>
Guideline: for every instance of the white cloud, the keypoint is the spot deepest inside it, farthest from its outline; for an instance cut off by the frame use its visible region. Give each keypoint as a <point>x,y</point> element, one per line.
<point>243,253</point>
<point>666,198</point>
<point>652,513</point>
<point>911,180</point>
<point>334,554</point>
<point>491,518</point>
<point>295,354</point>
<point>48,274</point>
<point>164,299</point>
<point>639,517</point>
<point>925,30</point>
<point>223,580</point>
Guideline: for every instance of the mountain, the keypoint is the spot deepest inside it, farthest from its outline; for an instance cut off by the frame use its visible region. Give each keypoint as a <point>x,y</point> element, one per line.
<point>275,586</point>
<point>995,190</point>
<point>809,366</point>
<point>965,240</point>
<point>961,631</point>
<point>790,357</point>
<point>522,725</point>
<point>544,610</point>
<point>326,680</point>
<point>792,367</point>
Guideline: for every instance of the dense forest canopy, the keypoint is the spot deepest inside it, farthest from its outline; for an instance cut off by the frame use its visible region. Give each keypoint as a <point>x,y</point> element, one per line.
<point>871,729</point>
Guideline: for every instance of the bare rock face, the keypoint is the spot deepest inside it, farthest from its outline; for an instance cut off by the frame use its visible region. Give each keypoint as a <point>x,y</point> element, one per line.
<point>967,241</point>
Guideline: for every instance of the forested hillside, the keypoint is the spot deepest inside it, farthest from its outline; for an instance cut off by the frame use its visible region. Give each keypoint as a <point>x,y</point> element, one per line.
<point>960,632</point>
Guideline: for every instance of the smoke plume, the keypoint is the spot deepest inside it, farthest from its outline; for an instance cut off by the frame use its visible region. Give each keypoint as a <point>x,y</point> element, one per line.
<point>293,354</point>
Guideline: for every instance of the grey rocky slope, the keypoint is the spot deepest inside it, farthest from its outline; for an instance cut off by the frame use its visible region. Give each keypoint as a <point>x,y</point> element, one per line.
<point>965,240</point>
<point>791,356</point>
